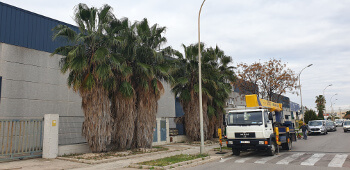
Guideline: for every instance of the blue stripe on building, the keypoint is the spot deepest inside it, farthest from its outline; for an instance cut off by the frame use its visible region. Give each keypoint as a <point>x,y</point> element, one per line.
<point>27,29</point>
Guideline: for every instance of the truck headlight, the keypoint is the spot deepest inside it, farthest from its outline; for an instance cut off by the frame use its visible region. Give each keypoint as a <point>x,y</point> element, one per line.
<point>261,142</point>
<point>230,142</point>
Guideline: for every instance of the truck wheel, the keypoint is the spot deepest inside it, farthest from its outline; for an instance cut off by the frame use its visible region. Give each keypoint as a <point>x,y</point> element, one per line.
<point>236,152</point>
<point>344,130</point>
<point>287,146</point>
<point>271,151</point>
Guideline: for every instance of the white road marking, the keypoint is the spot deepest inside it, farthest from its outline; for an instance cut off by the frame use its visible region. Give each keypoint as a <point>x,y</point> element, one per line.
<point>223,160</point>
<point>313,159</point>
<point>242,160</point>
<point>338,160</point>
<point>264,160</point>
<point>288,159</point>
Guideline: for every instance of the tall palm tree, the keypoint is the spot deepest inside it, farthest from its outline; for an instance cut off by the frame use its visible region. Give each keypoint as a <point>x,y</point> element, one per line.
<point>320,105</point>
<point>218,85</point>
<point>216,75</point>
<point>149,68</point>
<point>142,67</point>
<point>88,61</point>
<point>121,93</point>
<point>186,87</point>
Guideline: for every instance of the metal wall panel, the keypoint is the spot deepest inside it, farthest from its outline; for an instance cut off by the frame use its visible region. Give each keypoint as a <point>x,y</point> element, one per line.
<point>27,29</point>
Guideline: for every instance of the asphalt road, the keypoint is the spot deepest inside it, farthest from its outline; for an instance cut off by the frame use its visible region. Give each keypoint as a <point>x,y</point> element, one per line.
<point>331,151</point>
<point>333,142</point>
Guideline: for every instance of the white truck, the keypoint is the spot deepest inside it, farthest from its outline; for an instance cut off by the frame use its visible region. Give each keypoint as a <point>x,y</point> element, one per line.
<point>253,128</point>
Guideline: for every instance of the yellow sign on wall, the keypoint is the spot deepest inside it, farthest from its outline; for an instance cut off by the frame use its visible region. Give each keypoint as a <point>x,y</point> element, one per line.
<point>53,122</point>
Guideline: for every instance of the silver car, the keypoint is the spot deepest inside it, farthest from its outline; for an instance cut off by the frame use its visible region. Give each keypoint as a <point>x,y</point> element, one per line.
<point>317,126</point>
<point>338,123</point>
<point>346,126</point>
<point>331,127</point>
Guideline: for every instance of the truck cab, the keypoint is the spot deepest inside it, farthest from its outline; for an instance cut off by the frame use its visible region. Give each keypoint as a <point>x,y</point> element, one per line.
<point>249,129</point>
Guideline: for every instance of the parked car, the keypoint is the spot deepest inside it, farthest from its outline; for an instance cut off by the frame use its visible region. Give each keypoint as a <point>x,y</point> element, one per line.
<point>330,125</point>
<point>346,126</point>
<point>339,123</point>
<point>317,127</point>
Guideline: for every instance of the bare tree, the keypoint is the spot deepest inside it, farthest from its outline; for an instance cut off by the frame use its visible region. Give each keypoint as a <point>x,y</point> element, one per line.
<point>272,78</point>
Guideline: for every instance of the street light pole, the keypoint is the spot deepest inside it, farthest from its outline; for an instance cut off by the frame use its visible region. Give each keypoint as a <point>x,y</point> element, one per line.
<point>332,97</point>
<point>333,114</point>
<point>332,103</point>
<point>301,98</point>
<point>200,83</point>
<point>325,97</point>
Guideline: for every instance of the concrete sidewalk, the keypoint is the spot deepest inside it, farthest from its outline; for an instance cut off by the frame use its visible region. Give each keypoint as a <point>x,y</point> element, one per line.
<point>51,164</point>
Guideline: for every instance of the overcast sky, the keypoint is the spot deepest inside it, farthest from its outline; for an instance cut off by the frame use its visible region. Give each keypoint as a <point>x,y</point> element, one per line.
<point>298,32</point>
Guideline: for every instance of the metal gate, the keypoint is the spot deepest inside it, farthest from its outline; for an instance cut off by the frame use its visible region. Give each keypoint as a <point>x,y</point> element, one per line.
<point>20,138</point>
<point>163,130</point>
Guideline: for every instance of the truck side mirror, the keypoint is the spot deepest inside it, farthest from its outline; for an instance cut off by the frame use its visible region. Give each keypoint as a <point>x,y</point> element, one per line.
<point>270,116</point>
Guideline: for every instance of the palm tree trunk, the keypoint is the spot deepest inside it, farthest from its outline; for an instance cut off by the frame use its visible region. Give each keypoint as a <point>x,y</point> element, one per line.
<point>145,122</point>
<point>212,127</point>
<point>147,107</point>
<point>192,123</point>
<point>124,118</point>
<point>216,122</point>
<point>97,126</point>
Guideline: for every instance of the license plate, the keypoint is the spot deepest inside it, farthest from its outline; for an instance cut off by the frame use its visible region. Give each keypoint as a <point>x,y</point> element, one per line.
<point>245,141</point>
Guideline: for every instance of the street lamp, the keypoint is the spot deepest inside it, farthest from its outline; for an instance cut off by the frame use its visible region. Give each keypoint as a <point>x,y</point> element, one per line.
<point>325,97</point>
<point>332,97</point>
<point>332,103</point>
<point>200,83</point>
<point>301,98</point>
<point>332,112</point>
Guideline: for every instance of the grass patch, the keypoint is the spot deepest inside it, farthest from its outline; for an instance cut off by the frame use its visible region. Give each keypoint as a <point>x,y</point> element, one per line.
<point>172,160</point>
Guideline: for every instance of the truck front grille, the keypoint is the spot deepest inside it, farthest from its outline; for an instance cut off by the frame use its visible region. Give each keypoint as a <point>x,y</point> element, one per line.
<point>245,135</point>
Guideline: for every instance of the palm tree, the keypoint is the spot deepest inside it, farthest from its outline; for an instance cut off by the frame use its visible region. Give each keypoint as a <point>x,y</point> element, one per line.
<point>186,87</point>
<point>122,94</point>
<point>149,68</point>
<point>218,85</point>
<point>89,63</point>
<point>135,97</point>
<point>320,105</point>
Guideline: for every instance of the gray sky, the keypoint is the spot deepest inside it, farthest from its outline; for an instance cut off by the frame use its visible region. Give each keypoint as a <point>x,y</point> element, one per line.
<point>298,32</point>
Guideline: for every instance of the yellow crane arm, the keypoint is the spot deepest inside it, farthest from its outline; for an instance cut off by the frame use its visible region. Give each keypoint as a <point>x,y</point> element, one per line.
<point>254,101</point>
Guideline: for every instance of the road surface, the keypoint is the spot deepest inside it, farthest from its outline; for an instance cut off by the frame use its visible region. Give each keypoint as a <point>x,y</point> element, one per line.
<point>331,151</point>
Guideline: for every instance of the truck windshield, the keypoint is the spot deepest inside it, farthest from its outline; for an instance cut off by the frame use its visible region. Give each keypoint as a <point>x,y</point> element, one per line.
<point>318,123</point>
<point>245,118</point>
